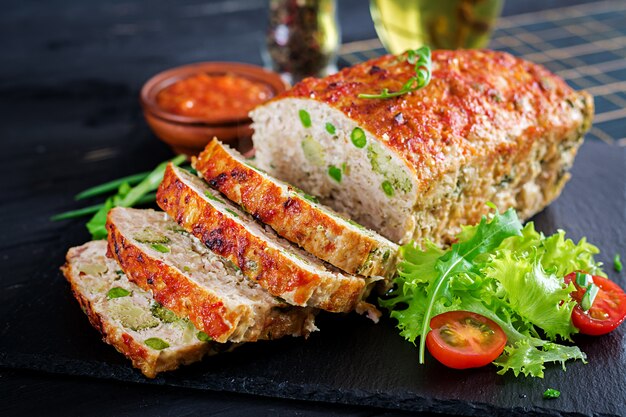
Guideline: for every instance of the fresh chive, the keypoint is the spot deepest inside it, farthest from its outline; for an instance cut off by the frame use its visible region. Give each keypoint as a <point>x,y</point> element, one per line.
<point>160,248</point>
<point>111,185</point>
<point>358,137</point>
<point>203,337</point>
<point>335,173</point>
<point>96,225</point>
<point>156,343</point>
<point>117,292</point>
<point>551,393</point>
<point>582,279</point>
<point>210,196</point>
<point>353,223</point>
<point>186,268</point>
<point>231,212</point>
<point>305,118</point>
<point>330,128</point>
<point>387,188</point>
<point>148,198</point>
<point>422,60</point>
<point>590,296</point>
<point>617,263</point>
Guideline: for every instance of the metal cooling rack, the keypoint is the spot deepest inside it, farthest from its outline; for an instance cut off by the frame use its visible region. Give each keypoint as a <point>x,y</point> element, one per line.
<point>584,44</point>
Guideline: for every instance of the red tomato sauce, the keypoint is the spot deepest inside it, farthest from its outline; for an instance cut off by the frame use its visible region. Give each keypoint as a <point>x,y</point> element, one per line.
<point>213,96</point>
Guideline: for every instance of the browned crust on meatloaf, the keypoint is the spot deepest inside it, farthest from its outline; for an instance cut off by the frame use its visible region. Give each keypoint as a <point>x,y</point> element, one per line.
<point>205,310</point>
<point>150,363</point>
<point>277,273</point>
<point>474,96</point>
<point>294,217</point>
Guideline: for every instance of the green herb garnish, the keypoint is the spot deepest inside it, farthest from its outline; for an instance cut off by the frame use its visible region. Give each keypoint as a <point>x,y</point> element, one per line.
<point>156,343</point>
<point>422,59</point>
<point>617,263</point>
<point>330,128</point>
<point>305,118</point>
<point>128,197</point>
<point>148,198</point>
<point>387,188</point>
<point>160,247</point>
<point>334,173</point>
<point>551,393</point>
<point>232,213</point>
<point>210,196</point>
<point>111,186</point>
<point>117,292</point>
<point>582,279</point>
<point>589,297</point>
<point>358,137</point>
<point>203,337</point>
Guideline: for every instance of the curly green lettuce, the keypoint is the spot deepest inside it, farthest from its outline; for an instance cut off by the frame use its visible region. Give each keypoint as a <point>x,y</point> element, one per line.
<point>509,273</point>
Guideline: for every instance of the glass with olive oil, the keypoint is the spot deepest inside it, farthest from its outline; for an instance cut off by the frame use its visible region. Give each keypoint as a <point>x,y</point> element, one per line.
<point>441,24</point>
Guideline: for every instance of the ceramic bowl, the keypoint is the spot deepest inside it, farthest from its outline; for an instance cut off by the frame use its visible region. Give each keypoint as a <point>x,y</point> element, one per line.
<point>189,135</point>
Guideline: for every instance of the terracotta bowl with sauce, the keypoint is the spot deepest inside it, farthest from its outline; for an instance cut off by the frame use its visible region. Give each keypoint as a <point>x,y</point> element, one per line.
<point>189,105</point>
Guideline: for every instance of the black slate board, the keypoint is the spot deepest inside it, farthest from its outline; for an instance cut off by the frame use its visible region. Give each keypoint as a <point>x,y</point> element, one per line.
<point>350,361</point>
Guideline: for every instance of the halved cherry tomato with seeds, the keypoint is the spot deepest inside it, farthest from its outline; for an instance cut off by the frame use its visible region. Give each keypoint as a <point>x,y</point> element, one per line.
<point>607,311</point>
<point>462,339</point>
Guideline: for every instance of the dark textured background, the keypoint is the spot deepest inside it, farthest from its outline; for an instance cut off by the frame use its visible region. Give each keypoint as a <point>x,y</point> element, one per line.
<point>69,80</point>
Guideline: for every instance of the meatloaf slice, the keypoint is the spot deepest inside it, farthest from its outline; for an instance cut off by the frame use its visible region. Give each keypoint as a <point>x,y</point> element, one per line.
<point>295,215</point>
<point>488,127</point>
<point>280,267</point>
<point>183,275</point>
<point>153,338</point>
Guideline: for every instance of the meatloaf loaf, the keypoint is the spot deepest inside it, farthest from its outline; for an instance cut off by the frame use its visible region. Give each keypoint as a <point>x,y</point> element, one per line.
<point>488,127</point>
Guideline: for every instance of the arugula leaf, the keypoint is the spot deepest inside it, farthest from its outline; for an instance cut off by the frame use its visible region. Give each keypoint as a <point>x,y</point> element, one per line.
<point>487,236</point>
<point>510,274</point>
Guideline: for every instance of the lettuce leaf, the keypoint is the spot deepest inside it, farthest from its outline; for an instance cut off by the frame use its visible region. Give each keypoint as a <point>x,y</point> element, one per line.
<point>537,297</point>
<point>509,273</point>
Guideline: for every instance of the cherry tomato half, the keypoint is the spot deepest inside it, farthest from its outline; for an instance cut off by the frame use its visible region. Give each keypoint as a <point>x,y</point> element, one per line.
<point>462,339</point>
<point>607,311</point>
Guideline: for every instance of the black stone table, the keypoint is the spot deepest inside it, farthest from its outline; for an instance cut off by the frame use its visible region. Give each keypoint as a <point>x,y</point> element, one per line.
<point>70,118</point>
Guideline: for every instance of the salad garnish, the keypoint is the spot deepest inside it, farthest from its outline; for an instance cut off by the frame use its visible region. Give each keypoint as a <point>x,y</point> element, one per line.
<point>551,393</point>
<point>509,273</point>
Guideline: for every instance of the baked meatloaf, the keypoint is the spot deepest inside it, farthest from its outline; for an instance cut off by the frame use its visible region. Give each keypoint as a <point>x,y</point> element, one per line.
<point>280,267</point>
<point>296,215</point>
<point>488,127</point>
<point>184,276</point>
<point>152,337</point>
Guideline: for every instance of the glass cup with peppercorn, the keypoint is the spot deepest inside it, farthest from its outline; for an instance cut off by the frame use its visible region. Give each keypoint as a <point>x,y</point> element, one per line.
<point>303,38</point>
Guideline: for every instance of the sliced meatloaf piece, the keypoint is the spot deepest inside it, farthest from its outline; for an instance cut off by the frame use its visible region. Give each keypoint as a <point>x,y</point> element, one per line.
<point>184,276</point>
<point>152,337</point>
<point>279,266</point>
<point>488,127</point>
<point>295,215</point>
